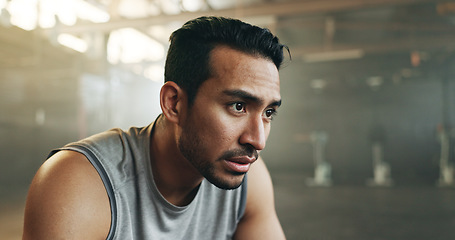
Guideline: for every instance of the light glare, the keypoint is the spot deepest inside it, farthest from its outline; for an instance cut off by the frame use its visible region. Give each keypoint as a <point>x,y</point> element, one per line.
<point>72,42</point>
<point>65,12</point>
<point>89,12</point>
<point>154,72</point>
<point>2,3</point>
<point>23,13</point>
<point>131,46</point>
<point>192,5</point>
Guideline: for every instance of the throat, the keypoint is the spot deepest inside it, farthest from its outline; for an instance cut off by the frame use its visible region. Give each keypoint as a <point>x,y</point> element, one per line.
<point>179,197</point>
<point>175,178</point>
<point>176,185</point>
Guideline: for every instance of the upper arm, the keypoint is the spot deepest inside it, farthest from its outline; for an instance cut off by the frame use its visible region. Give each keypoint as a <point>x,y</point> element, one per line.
<point>67,200</point>
<point>260,220</point>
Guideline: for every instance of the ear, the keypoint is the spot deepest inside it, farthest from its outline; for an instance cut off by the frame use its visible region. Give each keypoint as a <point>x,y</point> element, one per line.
<point>172,101</point>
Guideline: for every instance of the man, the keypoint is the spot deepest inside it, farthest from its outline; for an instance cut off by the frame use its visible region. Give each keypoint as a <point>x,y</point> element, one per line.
<point>185,175</point>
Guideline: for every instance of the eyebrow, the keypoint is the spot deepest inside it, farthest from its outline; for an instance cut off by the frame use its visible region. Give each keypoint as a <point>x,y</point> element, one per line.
<point>248,96</point>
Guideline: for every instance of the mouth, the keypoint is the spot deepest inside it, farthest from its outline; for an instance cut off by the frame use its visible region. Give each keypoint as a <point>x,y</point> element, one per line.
<point>239,164</point>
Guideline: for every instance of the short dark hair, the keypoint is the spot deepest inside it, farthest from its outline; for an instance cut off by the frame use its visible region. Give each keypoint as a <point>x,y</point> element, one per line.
<point>187,62</point>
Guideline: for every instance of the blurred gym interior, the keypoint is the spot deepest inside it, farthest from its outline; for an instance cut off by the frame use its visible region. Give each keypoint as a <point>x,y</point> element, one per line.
<point>362,147</point>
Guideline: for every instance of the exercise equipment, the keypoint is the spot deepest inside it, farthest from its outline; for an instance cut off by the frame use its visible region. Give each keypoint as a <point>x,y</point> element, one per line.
<point>322,169</point>
<point>446,168</point>
<point>381,169</point>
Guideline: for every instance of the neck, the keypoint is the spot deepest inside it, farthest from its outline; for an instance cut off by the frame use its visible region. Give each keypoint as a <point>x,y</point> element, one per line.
<point>176,179</point>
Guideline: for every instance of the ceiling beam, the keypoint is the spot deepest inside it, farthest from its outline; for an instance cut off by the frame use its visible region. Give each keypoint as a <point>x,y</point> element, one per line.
<point>396,45</point>
<point>275,9</point>
<point>368,25</point>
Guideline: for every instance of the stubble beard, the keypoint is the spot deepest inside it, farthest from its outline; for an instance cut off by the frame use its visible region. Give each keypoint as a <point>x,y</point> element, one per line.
<point>193,149</point>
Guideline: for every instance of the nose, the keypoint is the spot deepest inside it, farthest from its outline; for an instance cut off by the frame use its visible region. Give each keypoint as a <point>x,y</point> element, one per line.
<point>254,133</point>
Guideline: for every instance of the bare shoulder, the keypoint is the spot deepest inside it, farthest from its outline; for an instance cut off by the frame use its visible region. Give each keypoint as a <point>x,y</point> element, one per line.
<point>260,187</point>
<point>260,220</point>
<point>67,200</point>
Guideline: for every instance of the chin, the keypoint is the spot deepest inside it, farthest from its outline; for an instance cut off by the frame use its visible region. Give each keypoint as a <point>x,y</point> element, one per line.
<point>230,183</point>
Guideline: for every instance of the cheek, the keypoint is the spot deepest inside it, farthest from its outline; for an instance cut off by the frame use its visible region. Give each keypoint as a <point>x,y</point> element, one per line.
<point>267,130</point>
<point>224,132</point>
<point>218,128</point>
<point>227,136</point>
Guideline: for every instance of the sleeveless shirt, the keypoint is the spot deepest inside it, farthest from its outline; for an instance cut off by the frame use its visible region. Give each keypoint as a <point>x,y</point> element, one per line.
<point>138,210</point>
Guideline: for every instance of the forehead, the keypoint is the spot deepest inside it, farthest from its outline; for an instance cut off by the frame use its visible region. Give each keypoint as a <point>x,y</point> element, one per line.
<point>233,69</point>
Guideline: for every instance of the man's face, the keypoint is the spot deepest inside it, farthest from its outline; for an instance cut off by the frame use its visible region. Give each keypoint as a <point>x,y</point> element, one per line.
<point>229,121</point>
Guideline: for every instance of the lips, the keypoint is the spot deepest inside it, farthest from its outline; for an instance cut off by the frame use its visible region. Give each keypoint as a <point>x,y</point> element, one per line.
<point>240,164</point>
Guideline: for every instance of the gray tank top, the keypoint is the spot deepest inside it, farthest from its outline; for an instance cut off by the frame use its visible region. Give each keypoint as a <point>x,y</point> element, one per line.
<point>138,210</point>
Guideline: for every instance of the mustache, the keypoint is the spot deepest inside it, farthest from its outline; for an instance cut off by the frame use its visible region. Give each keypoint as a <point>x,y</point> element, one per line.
<point>246,151</point>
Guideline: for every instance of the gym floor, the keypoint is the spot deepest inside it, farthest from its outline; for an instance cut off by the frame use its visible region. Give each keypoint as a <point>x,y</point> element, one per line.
<point>334,213</point>
<point>364,213</point>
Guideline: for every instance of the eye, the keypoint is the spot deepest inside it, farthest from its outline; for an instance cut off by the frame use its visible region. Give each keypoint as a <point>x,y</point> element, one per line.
<point>238,107</point>
<point>270,113</point>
